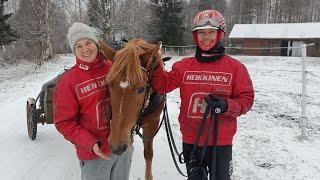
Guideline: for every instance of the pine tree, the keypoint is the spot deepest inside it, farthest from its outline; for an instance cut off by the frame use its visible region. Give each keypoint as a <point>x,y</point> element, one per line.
<point>167,23</point>
<point>7,35</point>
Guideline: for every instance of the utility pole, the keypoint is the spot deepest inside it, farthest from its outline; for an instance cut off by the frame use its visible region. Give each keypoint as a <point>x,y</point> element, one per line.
<point>303,94</point>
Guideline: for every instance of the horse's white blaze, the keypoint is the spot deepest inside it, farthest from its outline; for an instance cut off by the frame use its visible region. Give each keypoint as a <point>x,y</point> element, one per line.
<point>124,84</point>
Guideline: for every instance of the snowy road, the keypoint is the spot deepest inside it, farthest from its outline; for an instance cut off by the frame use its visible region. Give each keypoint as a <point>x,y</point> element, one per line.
<point>265,147</point>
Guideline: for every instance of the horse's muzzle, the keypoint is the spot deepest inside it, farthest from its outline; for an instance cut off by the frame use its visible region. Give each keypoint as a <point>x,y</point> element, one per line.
<point>119,149</point>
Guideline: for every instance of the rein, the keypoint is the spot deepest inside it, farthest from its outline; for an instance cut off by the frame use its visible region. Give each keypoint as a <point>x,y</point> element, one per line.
<point>171,142</point>
<point>173,147</point>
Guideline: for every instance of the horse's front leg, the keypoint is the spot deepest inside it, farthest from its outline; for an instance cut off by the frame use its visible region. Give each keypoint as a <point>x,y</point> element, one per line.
<point>148,155</point>
<point>148,132</point>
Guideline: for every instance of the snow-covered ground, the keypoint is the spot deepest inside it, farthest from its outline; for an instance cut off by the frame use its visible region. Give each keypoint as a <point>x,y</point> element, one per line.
<point>266,146</point>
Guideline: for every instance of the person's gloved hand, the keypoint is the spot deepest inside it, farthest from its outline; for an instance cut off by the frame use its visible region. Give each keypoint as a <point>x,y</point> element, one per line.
<point>217,103</point>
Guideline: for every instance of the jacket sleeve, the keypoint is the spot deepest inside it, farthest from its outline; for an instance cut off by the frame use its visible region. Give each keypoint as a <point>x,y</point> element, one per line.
<point>164,82</point>
<point>66,113</point>
<point>243,94</point>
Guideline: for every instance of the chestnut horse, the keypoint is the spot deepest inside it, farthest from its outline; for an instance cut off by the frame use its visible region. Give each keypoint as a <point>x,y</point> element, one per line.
<point>129,85</point>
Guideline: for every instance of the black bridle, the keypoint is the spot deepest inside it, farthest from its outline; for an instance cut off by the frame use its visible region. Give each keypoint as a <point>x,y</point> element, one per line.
<point>146,89</point>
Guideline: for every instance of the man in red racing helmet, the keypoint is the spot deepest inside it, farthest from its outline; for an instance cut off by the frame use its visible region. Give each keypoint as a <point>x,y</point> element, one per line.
<point>209,28</point>
<point>210,79</point>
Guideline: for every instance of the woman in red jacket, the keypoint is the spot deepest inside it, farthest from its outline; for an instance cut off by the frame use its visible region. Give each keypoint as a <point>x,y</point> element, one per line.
<point>81,109</point>
<point>213,78</point>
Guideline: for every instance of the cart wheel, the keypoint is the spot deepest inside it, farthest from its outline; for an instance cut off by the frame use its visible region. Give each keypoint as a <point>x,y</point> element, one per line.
<point>32,118</point>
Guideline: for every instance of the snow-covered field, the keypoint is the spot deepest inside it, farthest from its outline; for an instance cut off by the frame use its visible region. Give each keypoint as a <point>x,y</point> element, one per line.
<point>266,146</point>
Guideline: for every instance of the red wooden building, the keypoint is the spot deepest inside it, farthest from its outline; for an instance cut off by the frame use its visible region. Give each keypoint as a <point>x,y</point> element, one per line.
<point>285,35</point>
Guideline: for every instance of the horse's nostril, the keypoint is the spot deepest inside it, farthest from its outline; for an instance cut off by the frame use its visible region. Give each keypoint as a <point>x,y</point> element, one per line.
<point>119,149</point>
<point>124,147</point>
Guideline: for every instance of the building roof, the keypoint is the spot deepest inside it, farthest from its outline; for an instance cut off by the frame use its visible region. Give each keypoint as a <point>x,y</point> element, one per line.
<point>276,31</point>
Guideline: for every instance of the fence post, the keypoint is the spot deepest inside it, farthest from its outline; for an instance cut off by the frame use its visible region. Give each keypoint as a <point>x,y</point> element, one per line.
<point>304,90</point>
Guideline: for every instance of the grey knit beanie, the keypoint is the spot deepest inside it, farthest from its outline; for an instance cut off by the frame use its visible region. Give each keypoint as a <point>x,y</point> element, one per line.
<point>79,31</point>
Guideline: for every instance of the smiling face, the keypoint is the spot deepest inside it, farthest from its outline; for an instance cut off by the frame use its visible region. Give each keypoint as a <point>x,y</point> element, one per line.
<point>207,38</point>
<point>86,50</point>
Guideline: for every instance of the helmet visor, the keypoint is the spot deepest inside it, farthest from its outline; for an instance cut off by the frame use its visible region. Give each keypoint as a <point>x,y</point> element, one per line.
<point>205,27</point>
<point>206,23</point>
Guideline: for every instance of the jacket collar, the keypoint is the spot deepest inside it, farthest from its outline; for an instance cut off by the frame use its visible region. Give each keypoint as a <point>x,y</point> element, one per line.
<point>83,65</point>
<point>211,55</point>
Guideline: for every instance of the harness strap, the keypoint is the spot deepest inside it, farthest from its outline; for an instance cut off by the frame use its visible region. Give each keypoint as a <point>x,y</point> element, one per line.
<point>154,102</point>
<point>196,143</point>
<point>139,120</point>
<point>169,131</point>
<point>214,148</point>
<point>214,127</point>
<point>204,149</point>
<point>200,130</point>
<point>145,111</point>
<point>171,140</point>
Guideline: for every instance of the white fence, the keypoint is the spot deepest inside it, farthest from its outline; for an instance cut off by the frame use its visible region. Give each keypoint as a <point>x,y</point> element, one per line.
<point>178,50</point>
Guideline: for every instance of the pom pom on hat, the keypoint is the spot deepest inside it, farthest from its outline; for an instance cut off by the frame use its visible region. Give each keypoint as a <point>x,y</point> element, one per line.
<point>79,31</point>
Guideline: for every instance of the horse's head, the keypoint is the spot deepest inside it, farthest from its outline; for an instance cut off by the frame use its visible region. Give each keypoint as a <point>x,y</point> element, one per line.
<point>128,85</point>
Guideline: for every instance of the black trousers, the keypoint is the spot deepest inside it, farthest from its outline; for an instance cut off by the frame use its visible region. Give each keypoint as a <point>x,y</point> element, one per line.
<point>223,169</point>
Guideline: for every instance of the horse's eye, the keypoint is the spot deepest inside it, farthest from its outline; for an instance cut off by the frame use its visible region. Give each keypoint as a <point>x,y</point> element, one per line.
<point>141,90</point>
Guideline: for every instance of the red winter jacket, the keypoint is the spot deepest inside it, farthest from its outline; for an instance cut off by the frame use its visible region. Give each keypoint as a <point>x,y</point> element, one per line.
<point>81,111</point>
<point>225,77</point>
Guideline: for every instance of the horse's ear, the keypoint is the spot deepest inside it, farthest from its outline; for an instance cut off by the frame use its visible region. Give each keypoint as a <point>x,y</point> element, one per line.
<point>107,51</point>
<point>151,52</point>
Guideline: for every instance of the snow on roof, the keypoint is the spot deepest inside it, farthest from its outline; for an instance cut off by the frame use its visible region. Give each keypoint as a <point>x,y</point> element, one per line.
<point>276,31</point>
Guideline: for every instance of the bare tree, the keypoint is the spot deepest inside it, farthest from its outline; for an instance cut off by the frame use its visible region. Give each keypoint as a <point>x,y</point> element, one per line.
<point>101,15</point>
<point>34,24</point>
<point>59,27</point>
<point>47,50</point>
<point>132,18</point>
<point>189,12</point>
<point>273,11</point>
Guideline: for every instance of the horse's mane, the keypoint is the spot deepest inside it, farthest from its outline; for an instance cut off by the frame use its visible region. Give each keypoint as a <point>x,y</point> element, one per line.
<point>126,64</point>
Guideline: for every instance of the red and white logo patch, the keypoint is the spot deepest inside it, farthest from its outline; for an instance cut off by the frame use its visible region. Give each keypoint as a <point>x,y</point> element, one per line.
<point>207,77</point>
<point>90,87</point>
<point>197,105</point>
